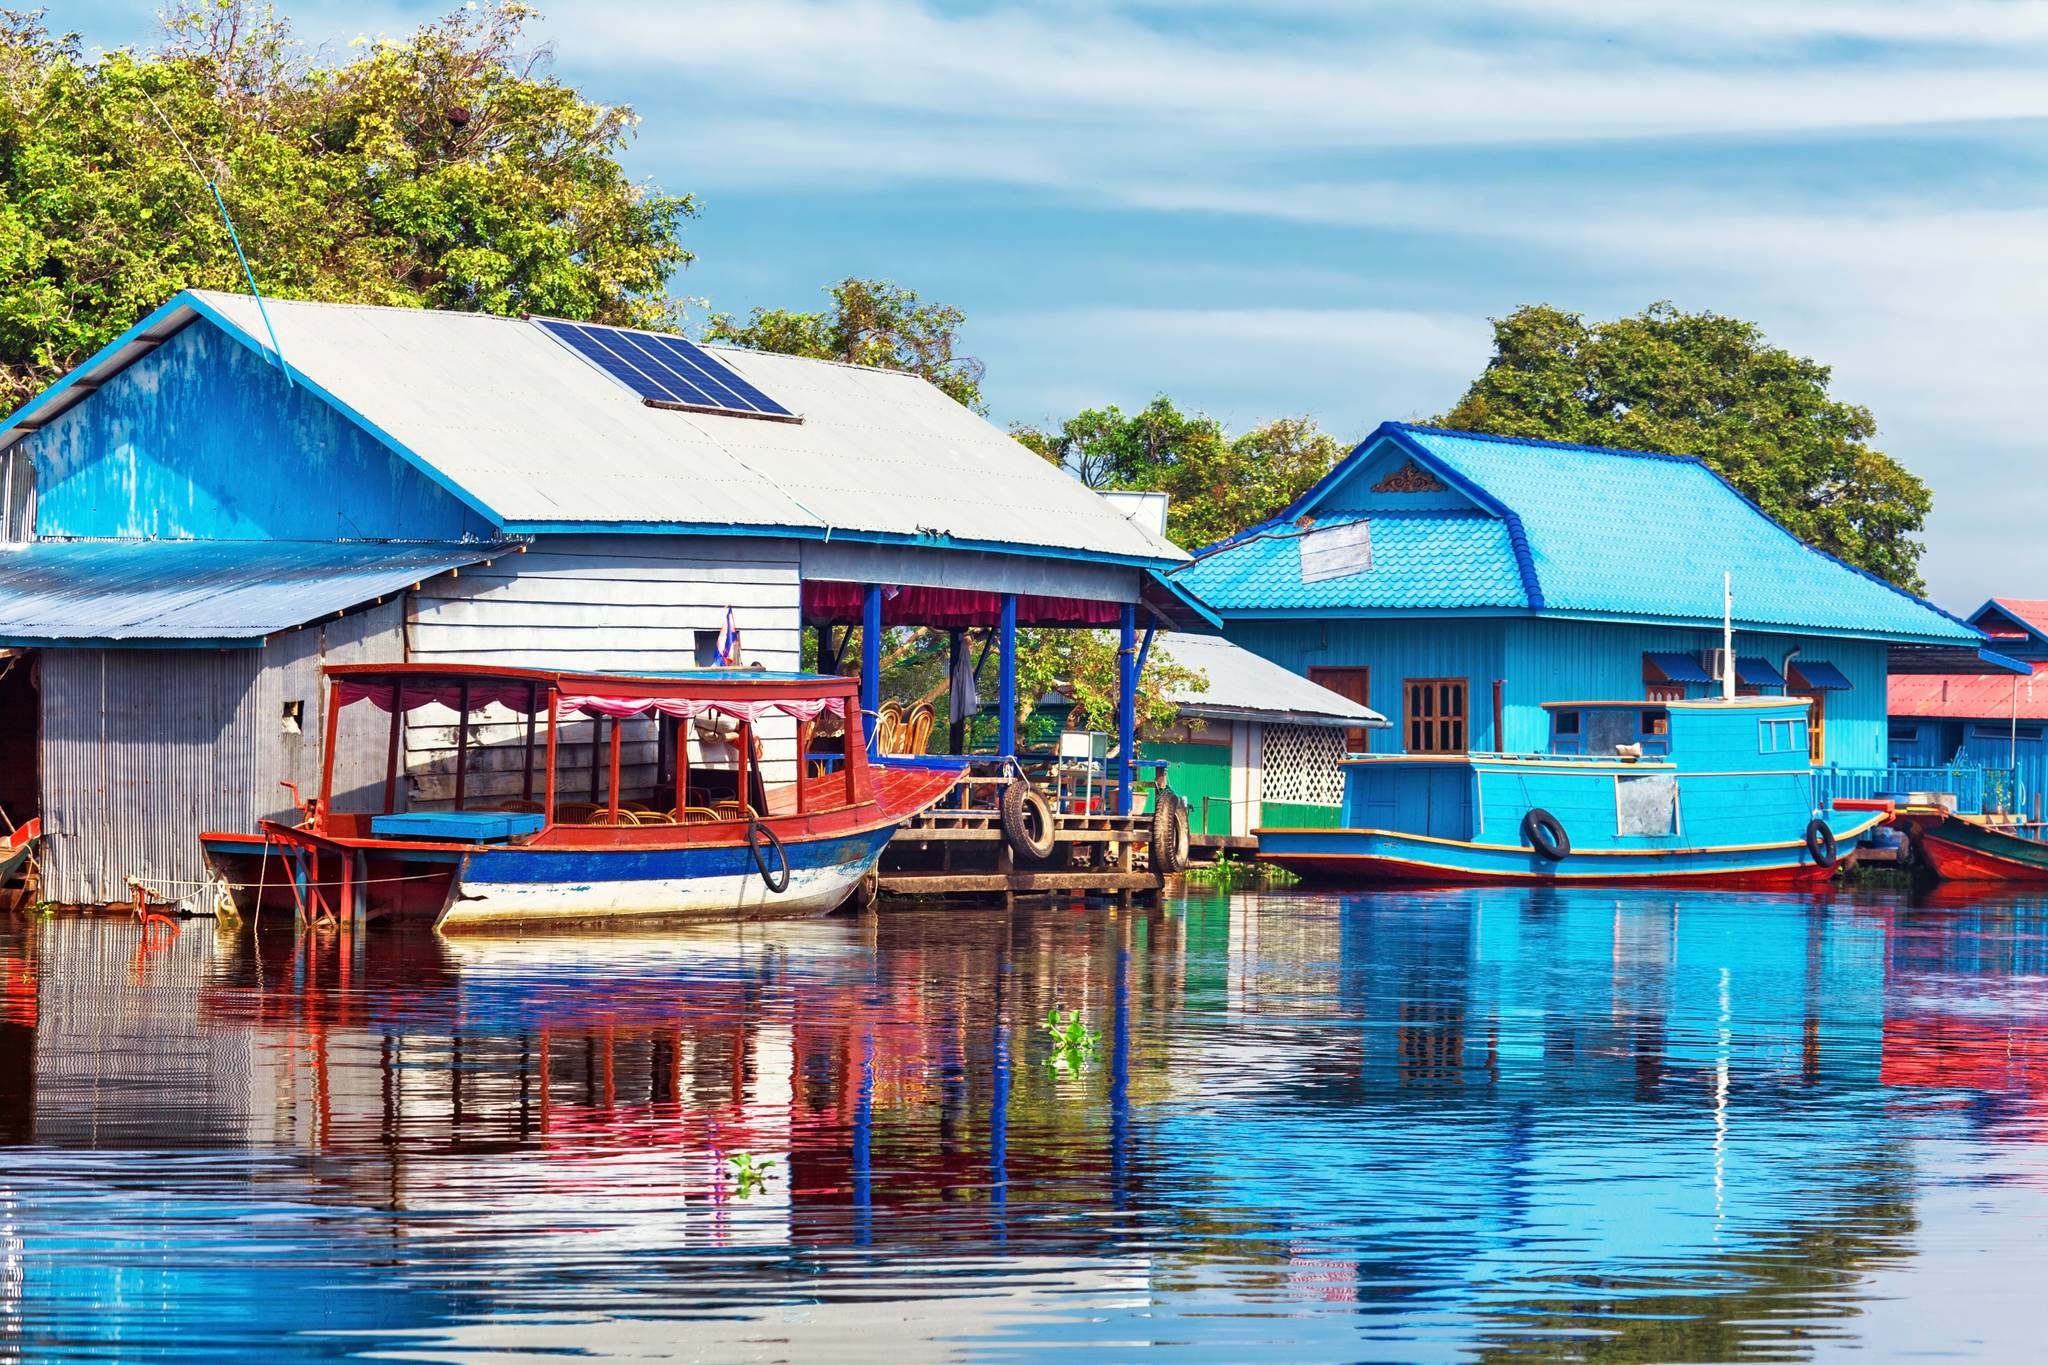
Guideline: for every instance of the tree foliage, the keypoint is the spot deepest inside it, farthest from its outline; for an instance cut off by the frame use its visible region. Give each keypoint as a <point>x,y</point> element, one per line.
<point>1216,484</point>
<point>870,322</point>
<point>1712,386</point>
<point>443,170</point>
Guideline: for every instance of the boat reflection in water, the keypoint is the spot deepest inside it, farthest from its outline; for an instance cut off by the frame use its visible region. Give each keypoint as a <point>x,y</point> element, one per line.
<point>1427,1126</point>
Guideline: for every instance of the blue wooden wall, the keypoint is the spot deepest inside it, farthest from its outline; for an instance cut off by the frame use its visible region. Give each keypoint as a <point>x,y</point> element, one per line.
<point>1986,742</point>
<point>202,439</point>
<point>1543,660</point>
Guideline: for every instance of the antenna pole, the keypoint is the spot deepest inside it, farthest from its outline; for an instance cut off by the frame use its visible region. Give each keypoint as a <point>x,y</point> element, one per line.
<point>234,238</point>
<point>1727,636</point>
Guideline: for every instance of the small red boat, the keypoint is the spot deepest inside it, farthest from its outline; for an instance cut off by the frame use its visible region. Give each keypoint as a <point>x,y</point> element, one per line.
<point>1960,848</point>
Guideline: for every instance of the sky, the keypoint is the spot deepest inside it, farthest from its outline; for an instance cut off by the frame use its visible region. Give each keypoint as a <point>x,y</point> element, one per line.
<point>1309,207</point>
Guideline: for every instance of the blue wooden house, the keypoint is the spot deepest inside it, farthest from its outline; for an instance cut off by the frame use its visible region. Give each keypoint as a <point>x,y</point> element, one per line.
<point>228,497</point>
<point>1456,583</point>
<point>1992,726</point>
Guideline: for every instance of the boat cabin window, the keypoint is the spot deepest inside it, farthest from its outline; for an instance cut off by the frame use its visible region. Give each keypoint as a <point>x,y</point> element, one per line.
<point>1616,731</point>
<point>1781,736</point>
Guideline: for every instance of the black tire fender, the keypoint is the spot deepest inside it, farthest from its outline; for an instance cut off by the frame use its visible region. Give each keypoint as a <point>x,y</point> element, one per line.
<point>1169,844</point>
<point>761,839</point>
<point>1544,833</point>
<point>1820,843</point>
<point>1022,807</point>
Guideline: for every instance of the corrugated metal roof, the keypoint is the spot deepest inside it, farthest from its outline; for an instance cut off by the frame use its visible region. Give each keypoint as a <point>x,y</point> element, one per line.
<point>1244,685</point>
<point>84,592</point>
<point>1570,530</point>
<point>1971,696</point>
<point>539,440</point>
<point>1419,560</point>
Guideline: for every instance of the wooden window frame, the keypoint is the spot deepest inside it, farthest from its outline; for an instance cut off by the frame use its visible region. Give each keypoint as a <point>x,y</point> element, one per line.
<point>1816,726</point>
<point>1356,741</point>
<point>1444,730</point>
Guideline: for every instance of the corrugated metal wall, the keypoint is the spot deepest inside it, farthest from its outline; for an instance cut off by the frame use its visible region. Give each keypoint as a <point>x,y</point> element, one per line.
<point>143,749</point>
<point>1548,660</point>
<point>613,603</point>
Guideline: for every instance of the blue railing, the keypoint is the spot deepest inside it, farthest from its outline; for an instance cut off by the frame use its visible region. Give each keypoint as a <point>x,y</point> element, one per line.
<point>1978,791</point>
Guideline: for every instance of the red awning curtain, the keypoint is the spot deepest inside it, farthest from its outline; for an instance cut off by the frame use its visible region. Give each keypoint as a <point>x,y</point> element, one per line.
<point>513,695</point>
<point>688,708</point>
<point>948,608</point>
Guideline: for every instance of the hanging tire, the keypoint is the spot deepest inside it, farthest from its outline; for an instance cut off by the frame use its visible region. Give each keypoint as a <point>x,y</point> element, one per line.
<point>1543,832</point>
<point>761,841</point>
<point>1027,821</point>
<point>1820,842</point>
<point>1169,847</point>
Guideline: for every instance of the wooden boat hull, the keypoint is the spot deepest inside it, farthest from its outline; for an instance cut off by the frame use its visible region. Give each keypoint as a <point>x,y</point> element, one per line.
<point>1959,850</point>
<point>583,876</point>
<point>1367,857</point>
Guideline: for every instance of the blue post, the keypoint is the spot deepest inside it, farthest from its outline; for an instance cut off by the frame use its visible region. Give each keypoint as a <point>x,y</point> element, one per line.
<point>870,661</point>
<point>1126,708</point>
<point>1006,689</point>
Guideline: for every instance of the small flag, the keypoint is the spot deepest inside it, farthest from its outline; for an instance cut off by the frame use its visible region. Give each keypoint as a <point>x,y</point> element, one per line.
<point>729,643</point>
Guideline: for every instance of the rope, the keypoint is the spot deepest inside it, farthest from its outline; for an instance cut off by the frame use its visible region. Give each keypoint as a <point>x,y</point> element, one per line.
<point>150,883</point>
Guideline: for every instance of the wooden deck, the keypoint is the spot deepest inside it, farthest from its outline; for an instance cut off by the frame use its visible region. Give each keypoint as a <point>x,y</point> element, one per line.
<point>960,850</point>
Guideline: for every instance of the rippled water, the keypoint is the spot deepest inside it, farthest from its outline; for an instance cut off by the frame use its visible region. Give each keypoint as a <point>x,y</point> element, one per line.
<point>1449,1126</point>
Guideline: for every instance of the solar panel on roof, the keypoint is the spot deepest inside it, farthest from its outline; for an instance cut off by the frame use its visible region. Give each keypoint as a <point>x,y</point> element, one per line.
<point>666,371</point>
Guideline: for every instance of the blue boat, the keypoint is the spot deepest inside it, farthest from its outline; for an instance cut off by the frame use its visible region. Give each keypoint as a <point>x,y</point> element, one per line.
<point>1697,792</point>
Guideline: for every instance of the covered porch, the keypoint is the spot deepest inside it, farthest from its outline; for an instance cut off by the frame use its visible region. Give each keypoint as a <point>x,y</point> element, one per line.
<point>1071,811</point>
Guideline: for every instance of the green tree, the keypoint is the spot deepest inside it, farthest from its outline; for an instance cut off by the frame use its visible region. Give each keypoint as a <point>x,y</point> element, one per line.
<point>1216,484</point>
<point>443,170</point>
<point>870,322</point>
<point>1706,385</point>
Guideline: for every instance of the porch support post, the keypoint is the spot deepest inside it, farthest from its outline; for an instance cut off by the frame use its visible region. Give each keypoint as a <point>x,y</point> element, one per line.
<point>956,659</point>
<point>871,660</point>
<point>1006,687</point>
<point>1126,706</point>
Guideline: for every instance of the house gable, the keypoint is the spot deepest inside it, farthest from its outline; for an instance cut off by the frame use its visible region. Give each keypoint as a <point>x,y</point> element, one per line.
<point>202,438</point>
<point>1385,476</point>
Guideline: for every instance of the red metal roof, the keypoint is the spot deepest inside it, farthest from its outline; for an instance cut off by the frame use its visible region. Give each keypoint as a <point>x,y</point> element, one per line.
<point>2031,610</point>
<point>1971,695</point>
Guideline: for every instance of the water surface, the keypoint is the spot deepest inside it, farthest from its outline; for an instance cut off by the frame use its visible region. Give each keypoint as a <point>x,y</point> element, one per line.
<point>1416,1127</point>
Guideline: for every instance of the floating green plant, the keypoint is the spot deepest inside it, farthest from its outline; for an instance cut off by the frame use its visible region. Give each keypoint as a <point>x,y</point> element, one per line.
<point>1073,1042</point>
<point>749,1173</point>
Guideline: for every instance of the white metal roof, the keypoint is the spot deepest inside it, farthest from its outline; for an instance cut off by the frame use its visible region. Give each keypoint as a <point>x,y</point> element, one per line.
<point>1246,686</point>
<point>541,440</point>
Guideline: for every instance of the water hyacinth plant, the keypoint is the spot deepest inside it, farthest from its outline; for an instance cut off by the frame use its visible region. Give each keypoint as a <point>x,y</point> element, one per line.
<point>1073,1042</point>
<point>749,1173</point>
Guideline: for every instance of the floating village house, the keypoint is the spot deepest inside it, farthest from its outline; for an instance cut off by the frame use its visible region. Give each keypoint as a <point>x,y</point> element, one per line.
<point>1457,582</point>
<point>228,497</point>
<point>1991,723</point>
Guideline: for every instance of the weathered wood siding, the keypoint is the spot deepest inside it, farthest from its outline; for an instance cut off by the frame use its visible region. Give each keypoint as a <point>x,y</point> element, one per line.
<point>607,603</point>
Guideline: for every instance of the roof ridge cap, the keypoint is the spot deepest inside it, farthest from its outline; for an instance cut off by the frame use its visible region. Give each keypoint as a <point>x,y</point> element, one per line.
<point>1423,428</point>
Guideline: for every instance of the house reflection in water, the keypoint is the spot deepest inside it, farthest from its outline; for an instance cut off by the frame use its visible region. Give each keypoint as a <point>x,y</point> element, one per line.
<point>1668,1120</point>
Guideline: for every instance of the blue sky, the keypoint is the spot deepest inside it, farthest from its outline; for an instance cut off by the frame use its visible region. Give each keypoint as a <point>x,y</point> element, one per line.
<point>1315,207</point>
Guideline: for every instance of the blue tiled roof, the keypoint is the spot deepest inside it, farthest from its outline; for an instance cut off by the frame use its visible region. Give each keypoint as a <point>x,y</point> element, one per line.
<point>1421,560</point>
<point>76,592</point>
<point>1583,531</point>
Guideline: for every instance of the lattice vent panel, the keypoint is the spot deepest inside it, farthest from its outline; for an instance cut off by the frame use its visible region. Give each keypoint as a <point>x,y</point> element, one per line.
<point>1298,765</point>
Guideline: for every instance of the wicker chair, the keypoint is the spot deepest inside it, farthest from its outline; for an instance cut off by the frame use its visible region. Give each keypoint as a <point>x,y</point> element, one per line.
<point>917,729</point>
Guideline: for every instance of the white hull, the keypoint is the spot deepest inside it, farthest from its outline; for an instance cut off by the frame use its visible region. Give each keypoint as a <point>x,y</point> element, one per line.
<point>812,891</point>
